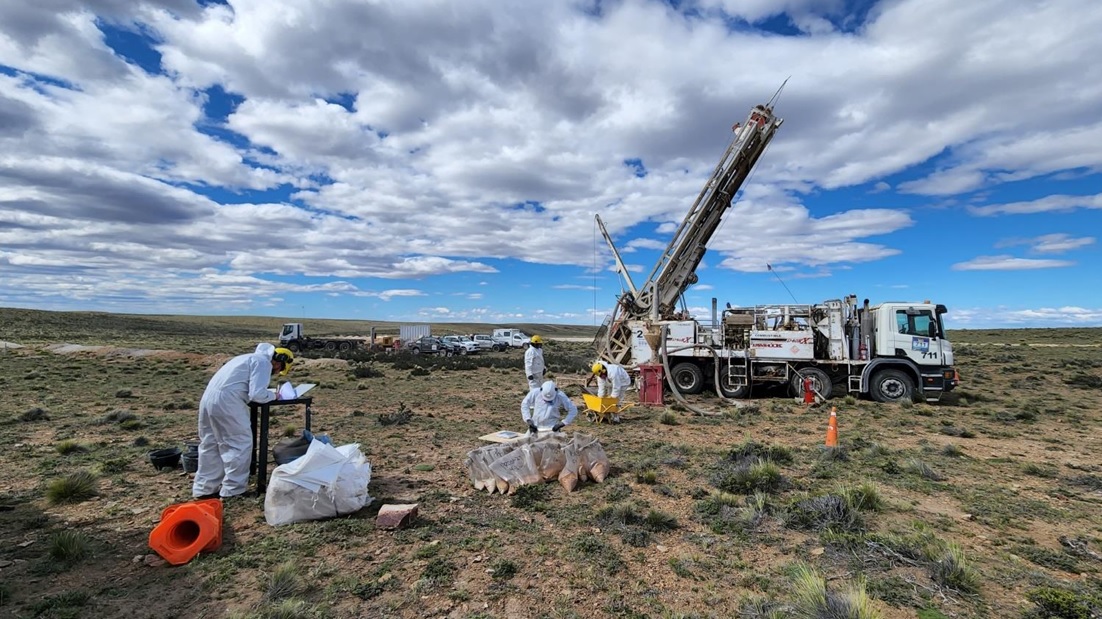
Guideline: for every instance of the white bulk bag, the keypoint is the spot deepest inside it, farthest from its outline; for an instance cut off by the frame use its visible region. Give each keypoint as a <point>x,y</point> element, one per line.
<point>326,481</point>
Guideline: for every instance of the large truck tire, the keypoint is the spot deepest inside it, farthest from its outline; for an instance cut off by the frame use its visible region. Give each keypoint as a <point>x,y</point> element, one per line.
<point>688,378</point>
<point>330,346</point>
<point>346,346</point>
<point>728,390</point>
<point>820,382</point>
<point>293,347</point>
<point>890,385</point>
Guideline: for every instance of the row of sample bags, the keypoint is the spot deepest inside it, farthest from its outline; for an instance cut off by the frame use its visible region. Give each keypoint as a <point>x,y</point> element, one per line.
<point>504,467</point>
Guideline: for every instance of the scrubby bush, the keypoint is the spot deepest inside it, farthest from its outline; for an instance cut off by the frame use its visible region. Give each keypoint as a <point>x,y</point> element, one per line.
<point>73,488</point>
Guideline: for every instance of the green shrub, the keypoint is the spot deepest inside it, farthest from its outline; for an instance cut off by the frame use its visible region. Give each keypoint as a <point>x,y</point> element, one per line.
<point>503,569</point>
<point>67,447</point>
<point>35,414</point>
<point>953,571</point>
<point>822,513</point>
<point>69,546</point>
<point>73,488</point>
<point>1054,603</point>
<point>814,601</point>
<point>669,419</point>
<point>283,583</point>
<point>863,497</point>
<point>746,477</point>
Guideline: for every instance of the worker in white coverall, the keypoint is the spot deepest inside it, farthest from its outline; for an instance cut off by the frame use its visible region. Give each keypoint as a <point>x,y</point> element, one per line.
<point>225,434</point>
<point>613,381</point>
<point>534,369</point>
<point>540,408</point>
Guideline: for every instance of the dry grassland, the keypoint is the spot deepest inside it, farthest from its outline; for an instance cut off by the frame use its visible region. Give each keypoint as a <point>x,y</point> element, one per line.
<point>987,505</point>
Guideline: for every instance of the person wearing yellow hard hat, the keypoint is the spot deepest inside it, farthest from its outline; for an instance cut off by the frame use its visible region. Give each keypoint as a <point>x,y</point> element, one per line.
<point>534,368</point>
<point>225,435</point>
<point>612,380</point>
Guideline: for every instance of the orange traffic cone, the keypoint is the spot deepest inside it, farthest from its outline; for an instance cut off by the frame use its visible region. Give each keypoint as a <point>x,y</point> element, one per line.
<point>187,529</point>
<point>832,429</point>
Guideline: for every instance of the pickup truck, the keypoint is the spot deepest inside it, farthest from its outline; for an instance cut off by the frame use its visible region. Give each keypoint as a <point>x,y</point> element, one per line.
<point>487,342</point>
<point>461,343</point>
<point>431,345</point>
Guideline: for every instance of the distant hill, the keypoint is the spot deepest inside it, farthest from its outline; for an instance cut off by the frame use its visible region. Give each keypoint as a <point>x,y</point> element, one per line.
<point>25,326</point>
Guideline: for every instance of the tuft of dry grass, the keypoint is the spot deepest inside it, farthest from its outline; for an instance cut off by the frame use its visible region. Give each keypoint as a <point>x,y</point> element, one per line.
<point>73,488</point>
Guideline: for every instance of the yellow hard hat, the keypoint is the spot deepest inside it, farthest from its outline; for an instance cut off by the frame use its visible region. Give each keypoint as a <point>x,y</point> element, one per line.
<point>536,339</point>
<point>598,367</point>
<point>286,357</point>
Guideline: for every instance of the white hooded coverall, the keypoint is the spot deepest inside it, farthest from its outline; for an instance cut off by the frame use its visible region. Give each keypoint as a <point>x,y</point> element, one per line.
<point>533,366</point>
<point>225,435</point>
<point>543,413</point>
<point>616,384</point>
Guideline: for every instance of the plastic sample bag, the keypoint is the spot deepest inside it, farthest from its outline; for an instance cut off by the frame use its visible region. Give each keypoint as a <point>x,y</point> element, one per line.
<point>325,482</point>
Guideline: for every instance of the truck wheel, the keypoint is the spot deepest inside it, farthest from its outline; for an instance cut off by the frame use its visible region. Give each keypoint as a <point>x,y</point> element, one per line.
<point>415,350</point>
<point>293,347</point>
<point>346,346</point>
<point>330,346</point>
<point>727,389</point>
<point>688,378</point>
<point>499,348</point>
<point>463,351</point>
<point>891,386</point>
<point>820,382</point>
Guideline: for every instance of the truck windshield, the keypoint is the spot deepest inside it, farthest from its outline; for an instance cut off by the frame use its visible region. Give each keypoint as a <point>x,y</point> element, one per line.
<point>288,329</point>
<point>921,323</point>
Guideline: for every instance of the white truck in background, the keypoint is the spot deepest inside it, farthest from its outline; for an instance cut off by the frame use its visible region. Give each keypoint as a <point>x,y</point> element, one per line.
<point>293,337</point>
<point>513,338</point>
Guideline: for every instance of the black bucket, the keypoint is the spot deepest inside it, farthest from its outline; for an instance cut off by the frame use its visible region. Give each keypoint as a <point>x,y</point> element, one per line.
<point>289,450</point>
<point>191,461</point>
<point>162,458</point>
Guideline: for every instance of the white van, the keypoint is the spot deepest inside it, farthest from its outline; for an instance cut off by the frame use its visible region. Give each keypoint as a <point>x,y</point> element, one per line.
<point>513,338</point>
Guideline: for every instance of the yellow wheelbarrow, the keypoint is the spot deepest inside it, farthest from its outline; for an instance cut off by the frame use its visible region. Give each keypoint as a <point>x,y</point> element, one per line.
<point>603,410</point>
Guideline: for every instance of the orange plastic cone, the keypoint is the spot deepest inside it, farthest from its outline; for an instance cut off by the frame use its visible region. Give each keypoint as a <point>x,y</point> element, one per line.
<point>832,429</point>
<point>187,529</point>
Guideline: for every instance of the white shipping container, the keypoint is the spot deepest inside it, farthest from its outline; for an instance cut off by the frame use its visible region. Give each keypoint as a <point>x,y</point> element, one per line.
<point>408,333</point>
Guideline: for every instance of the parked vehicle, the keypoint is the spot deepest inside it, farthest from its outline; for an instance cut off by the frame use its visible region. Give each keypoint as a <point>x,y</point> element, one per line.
<point>430,345</point>
<point>513,338</point>
<point>890,352</point>
<point>487,342</point>
<point>293,337</point>
<point>463,344</point>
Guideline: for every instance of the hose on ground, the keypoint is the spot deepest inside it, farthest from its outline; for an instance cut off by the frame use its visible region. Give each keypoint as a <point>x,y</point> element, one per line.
<point>663,353</point>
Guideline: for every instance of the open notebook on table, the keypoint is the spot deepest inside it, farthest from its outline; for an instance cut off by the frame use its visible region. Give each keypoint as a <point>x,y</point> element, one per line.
<point>287,391</point>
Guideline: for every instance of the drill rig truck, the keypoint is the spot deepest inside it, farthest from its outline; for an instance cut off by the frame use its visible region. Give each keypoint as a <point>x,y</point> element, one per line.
<point>890,352</point>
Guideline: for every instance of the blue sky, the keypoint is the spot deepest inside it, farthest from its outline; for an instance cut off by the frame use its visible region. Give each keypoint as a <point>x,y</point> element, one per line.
<point>443,161</point>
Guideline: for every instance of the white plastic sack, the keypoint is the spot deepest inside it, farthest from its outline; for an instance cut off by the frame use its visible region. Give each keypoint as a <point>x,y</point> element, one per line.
<point>326,481</point>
